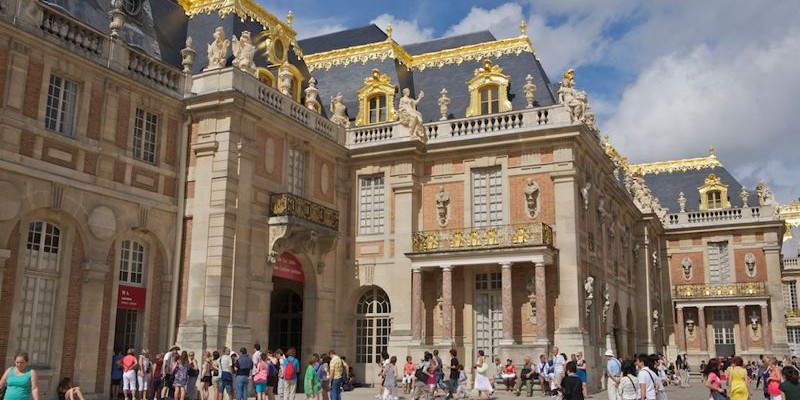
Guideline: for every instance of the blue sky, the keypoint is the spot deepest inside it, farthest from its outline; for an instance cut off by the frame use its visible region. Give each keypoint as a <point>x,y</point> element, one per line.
<point>666,78</point>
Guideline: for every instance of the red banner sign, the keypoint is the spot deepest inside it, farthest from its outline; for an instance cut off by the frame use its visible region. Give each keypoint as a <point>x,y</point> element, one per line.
<point>131,297</point>
<point>289,267</point>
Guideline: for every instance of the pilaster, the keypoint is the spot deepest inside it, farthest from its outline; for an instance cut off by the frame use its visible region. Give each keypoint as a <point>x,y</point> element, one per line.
<point>447,305</point>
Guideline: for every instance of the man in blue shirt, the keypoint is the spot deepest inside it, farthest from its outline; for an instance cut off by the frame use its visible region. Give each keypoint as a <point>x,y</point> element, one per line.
<point>290,374</point>
<point>244,364</point>
<point>116,373</point>
<point>614,372</point>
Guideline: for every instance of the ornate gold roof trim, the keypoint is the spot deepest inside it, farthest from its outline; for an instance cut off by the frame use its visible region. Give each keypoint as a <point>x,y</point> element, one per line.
<point>438,59</point>
<point>791,213</point>
<point>242,8</point>
<point>668,167</point>
<point>615,156</point>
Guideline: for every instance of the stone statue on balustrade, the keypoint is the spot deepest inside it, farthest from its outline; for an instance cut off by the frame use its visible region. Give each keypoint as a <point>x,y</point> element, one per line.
<point>312,93</point>
<point>444,104</point>
<point>409,116</point>
<point>339,111</point>
<point>285,77</point>
<point>243,53</point>
<point>529,89</point>
<point>218,50</point>
<point>682,202</point>
<point>575,100</point>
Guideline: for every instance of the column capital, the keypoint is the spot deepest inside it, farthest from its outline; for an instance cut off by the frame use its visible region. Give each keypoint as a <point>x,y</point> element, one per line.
<point>742,306</point>
<point>701,308</point>
<point>506,264</point>
<point>447,267</point>
<point>539,264</point>
<point>416,270</point>
<point>763,306</point>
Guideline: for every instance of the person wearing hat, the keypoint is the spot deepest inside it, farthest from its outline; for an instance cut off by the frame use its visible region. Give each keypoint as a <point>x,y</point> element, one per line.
<point>613,371</point>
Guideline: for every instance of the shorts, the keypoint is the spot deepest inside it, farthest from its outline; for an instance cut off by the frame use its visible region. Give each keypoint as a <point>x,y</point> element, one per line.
<point>408,378</point>
<point>168,379</point>
<point>261,387</point>
<point>129,381</point>
<point>143,379</point>
<point>206,379</point>
<point>116,382</point>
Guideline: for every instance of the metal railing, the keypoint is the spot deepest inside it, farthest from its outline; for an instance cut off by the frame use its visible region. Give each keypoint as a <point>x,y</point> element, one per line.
<point>720,290</point>
<point>476,238</point>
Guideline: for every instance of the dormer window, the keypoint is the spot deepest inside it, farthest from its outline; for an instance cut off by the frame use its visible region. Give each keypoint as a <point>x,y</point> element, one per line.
<point>488,91</point>
<point>713,194</point>
<point>376,100</point>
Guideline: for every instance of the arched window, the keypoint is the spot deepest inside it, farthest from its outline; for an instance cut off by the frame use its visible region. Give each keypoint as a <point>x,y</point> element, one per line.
<point>131,263</point>
<point>489,100</point>
<point>377,108</point>
<point>488,91</point>
<point>713,194</point>
<point>373,325</point>
<point>376,100</point>
<point>42,266</point>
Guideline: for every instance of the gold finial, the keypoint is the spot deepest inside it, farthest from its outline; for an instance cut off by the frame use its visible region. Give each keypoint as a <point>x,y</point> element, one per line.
<point>289,18</point>
<point>389,30</point>
<point>605,139</point>
<point>711,151</point>
<point>523,29</point>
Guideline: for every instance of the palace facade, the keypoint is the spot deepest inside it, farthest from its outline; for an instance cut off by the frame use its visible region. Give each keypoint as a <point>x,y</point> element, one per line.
<point>189,172</point>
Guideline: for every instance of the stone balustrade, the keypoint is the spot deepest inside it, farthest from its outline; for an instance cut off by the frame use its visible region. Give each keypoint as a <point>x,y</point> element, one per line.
<point>68,31</point>
<point>477,238</point>
<point>791,263</point>
<point>717,217</point>
<point>233,79</point>
<point>719,290</point>
<point>153,70</point>
<point>289,205</point>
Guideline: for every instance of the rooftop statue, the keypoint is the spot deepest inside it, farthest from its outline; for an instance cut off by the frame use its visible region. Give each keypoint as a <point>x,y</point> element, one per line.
<point>243,53</point>
<point>575,100</point>
<point>530,91</point>
<point>339,111</point>
<point>444,104</point>
<point>285,79</point>
<point>409,116</point>
<point>218,50</point>
<point>311,95</point>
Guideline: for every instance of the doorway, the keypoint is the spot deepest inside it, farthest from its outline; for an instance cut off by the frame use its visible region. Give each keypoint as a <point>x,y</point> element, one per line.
<point>488,313</point>
<point>286,316</point>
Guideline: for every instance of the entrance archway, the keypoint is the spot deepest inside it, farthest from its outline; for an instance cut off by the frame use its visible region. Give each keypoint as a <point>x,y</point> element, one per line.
<point>286,310</point>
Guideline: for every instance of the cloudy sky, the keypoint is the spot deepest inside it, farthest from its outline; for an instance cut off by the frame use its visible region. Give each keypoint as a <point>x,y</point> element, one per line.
<point>666,78</point>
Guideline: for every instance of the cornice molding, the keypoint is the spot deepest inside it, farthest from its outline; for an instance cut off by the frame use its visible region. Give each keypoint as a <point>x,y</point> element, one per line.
<point>671,166</point>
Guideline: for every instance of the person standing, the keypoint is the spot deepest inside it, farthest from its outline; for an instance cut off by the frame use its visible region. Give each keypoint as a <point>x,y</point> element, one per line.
<point>260,374</point>
<point>628,386</point>
<point>129,364</point>
<point>290,368</point>
<point>613,372</point>
<point>453,374</point>
<point>571,385</point>
<point>180,375</point>
<point>324,376</point>
<point>647,377</point>
<point>439,371</point>
<point>145,372</point>
<point>580,362</point>
<point>337,368</point>
<point>244,364</point>
<point>310,381</point>
<point>21,381</point>
<point>525,377</point>
<point>482,383</point>
<point>390,380</point>
<point>205,376</point>
<point>738,380</point>
<point>194,372</point>
<point>558,368</point>
<point>713,383</point>
<point>791,383</point>
<point>116,373</point>
<point>168,370</point>
<point>225,374</point>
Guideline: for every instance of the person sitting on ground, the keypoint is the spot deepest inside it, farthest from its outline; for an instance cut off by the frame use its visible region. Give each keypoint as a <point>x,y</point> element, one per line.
<point>68,392</point>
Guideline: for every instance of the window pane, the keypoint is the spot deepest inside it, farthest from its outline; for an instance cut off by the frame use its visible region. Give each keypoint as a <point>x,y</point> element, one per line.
<point>145,136</point>
<point>487,197</point>
<point>371,205</point>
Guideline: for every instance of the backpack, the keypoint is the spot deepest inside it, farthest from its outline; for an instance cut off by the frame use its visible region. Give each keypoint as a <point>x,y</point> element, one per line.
<point>288,369</point>
<point>321,375</point>
<point>146,362</point>
<point>421,375</point>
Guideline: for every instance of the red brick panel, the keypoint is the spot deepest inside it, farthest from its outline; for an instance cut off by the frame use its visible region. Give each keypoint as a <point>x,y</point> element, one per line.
<point>119,171</point>
<point>189,190</point>
<point>33,87</point>
<point>123,121</point>
<point>318,178</point>
<point>59,147</point>
<point>676,268</point>
<point>26,143</point>
<point>193,130</point>
<point>169,186</point>
<point>103,357</point>
<point>430,215</point>
<point>170,153</point>
<point>519,210</point>
<point>3,72</point>
<point>96,101</point>
<point>90,163</point>
<point>741,268</point>
<point>7,289</point>
<point>70,345</point>
<point>142,178</point>
<point>270,150</point>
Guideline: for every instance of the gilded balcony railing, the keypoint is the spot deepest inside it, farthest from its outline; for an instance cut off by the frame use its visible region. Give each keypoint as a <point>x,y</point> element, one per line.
<point>792,313</point>
<point>289,205</point>
<point>720,290</point>
<point>482,237</point>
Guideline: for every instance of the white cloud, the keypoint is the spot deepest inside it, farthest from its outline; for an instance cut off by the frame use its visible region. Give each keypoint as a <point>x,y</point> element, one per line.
<point>310,27</point>
<point>403,31</point>
<point>502,21</point>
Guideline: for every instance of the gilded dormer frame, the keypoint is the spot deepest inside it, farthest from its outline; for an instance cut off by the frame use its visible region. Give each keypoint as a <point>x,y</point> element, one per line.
<point>488,75</point>
<point>297,80</point>
<point>265,76</point>
<point>377,84</point>
<point>713,185</point>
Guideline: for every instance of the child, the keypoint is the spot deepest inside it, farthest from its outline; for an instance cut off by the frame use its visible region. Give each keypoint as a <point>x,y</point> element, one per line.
<point>408,374</point>
<point>462,382</point>
<point>67,392</point>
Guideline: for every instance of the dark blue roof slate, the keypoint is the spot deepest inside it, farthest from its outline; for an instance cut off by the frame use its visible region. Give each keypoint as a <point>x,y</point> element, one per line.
<point>343,39</point>
<point>667,186</point>
<point>450,42</point>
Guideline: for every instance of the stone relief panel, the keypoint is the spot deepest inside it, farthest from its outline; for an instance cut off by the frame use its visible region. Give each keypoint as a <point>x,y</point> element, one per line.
<point>443,206</point>
<point>532,192</point>
<point>686,265</point>
<point>750,264</point>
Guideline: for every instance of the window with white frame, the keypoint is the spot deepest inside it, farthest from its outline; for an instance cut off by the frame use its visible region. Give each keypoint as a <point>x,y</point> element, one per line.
<point>62,95</point>
<point>489,281</point>
<point>371,205</point>
<point>297,171</point>
<point>790,294</point>
<point>131,263</point>
<point>723,334</point>
<point>373,325</point>
<point>719,263</point>
<point>487,197</point>
<point>41,260</point>
<point>793,335</point>
<point>145,136</point>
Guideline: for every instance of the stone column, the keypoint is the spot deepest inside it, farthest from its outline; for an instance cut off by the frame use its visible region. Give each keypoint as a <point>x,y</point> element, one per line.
<point>508,306</point>
<point>447,305</point>
<point>701,326</point>
<point>679,332</point>
<point>542,329</point>
<point>416,305</point>
<point>743,330</point>
<point>765,326</point>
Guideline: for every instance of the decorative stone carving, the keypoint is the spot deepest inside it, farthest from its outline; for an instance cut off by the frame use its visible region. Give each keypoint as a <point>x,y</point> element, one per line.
<point>642,196</point>
<point>530,286</point>
<point>745,196</point>
<point>750,264</point>
<point>765,197</point>
<point>532,198</point>
<point>682,202</point>
<point>654,259</point>
<point>575,100</point>
<point>409,116</point>
<point>444,104</point>
<point>243,53</point>
<point>442,206</point>
<point>11,201</point>
<point>588,287</point>
<point>285,79</point>
<point>755,327</point>
<point>218,50</point>
<point>656,320</point>
<point>585,195</point>
<point>339,111</point>
<point>686,264</point>
<point>439,303</point>
<point>312,94</point>
<point>606,302</point>
<point>530,91</point>
<point>116,18</point>
<point>102,222</point>
<point>187,56</point>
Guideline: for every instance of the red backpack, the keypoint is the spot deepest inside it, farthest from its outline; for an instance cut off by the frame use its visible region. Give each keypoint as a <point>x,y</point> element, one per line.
<point>288,369</point>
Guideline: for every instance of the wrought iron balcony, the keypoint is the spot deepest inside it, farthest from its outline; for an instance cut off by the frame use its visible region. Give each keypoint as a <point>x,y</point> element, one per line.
<point>480,238</point>
<point>720,290</point>
<point>289,205</point>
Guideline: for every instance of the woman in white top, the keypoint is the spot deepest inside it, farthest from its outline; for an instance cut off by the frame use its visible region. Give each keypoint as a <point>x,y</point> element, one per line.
<point>628,388</point>
<point>647,378</point>
<point>482,383</point>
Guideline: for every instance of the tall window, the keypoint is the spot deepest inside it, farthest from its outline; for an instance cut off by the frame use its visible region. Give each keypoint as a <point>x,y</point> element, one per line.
<point>719,266</point>
<point>131,263</point>
<point>371,205</point>
<point>793,334</point>
<point>377,109</point>
<point>61,100</point>
<point>489,99</point>
<point>297,171</point>
<point>145,136</point>
<point>487,197</point>
<point>489,281</point>
<point>790,294</point>
<point>373,325</point>
<point>714,199</point>
<point>40,281</point>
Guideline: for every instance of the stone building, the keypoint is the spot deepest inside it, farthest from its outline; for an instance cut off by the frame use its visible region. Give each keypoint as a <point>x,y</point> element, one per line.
<point>790,268</point>
<point>188,172</point>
